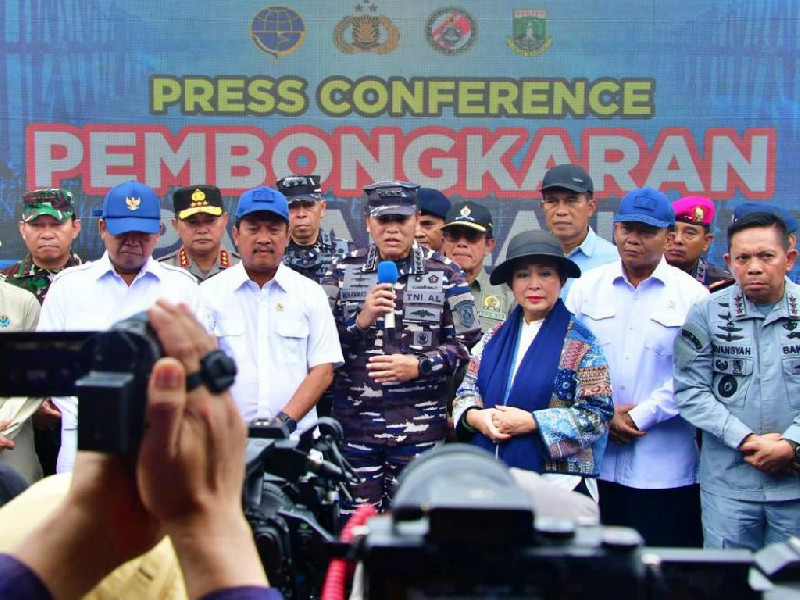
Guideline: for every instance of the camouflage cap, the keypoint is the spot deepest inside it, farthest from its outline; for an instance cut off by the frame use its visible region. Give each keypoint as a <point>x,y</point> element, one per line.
<point>54,202</point>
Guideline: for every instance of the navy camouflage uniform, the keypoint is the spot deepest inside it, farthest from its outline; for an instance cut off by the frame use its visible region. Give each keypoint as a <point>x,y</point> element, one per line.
<point>180,258</point>
<point>387,425</point>
<point>708,274</point>
<point>315,260</point>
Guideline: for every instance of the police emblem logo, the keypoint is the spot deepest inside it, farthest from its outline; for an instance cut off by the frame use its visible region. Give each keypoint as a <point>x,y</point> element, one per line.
<point>451,30</point>
<point>132,202</point>
<point>278,31</point>
<point>366,32</point>
<point>198,198</point>
<point>529,32</point>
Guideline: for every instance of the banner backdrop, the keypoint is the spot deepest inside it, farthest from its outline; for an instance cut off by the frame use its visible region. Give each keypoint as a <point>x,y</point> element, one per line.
<point>476,98</point>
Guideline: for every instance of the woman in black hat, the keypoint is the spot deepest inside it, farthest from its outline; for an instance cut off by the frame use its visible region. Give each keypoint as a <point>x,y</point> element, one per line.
<point>537,392</point>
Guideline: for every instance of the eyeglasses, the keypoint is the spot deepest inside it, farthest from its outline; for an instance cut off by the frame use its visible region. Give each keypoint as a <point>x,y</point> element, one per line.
<point>453,234</point>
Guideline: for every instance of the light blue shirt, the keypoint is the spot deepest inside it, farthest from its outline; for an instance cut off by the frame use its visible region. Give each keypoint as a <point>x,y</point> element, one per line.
<point>593,252</point>
<point>636,328</point>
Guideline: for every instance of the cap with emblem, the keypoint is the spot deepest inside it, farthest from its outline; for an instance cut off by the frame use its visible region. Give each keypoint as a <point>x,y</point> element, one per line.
<point>53,202</point>
<point>433,202</point>
<point>131,206</point>
<point>262,199</point>
<point>300,187</point>
<point>697,210</point>
<point>470,214</point>
<point>194,199</point>
<point>391,198</point>
<point>750,207</point>
<point>570,177</point>
<point>646,205</point>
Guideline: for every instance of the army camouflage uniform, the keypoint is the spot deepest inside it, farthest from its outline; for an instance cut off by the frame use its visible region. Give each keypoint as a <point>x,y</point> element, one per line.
<point>180,258</point>
<point>314,261</point>
<point>29,276</point>
<point>387,425</point>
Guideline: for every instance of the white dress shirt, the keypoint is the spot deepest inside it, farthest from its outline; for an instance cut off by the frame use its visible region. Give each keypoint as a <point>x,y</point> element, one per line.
<point>92,297</point>
<point>276,333</point>
<point>636,327</point>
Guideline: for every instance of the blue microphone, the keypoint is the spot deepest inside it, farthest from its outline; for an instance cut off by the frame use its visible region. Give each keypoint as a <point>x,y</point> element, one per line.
<point>387,273</point>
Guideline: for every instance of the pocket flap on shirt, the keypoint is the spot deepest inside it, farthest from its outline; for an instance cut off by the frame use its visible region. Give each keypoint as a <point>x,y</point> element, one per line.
<point>733,366</point>
<point>791,366</point>
<point>669,318</point>
<point>599,311</point>
<point>226,327</point>
<point>292,329</point>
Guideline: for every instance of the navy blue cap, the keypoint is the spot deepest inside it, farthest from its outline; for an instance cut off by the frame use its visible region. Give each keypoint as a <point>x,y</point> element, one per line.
<point>433,202</point>
<point>646,205</point>
<point>300,187</point>
<point>131,206</point>
<point>391,198</point>
<point>751,207</point>
<point>262,199</point>
<point>569,177</point>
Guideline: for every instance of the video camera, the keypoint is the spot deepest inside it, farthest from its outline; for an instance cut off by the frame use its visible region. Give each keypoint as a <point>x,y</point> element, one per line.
<point>107,370</point>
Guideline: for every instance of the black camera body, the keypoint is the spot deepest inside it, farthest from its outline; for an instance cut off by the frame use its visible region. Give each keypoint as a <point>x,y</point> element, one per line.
<point>107,370</point>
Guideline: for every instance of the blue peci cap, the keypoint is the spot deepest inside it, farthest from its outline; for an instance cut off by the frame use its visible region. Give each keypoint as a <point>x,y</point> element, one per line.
<point>646,205</point>
<point>131,206</point>
<point>433,202</point>
<point>262,199</point>
<point>751,207</point>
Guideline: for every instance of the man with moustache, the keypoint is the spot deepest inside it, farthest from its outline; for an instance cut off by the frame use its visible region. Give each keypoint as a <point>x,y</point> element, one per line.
<point>568,203</point>
<point>691,238</point>
<point>125,280</point>
<point>636,306</point>
<point>391,394</point>
<point>737,378</point>
<point>433,207</point>
<point>274,322</point>
<point>201,222</point>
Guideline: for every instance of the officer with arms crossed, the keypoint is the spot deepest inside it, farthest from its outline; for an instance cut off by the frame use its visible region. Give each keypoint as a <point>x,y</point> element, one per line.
<point>124,281</point>
<point>201,221</point>
<point>310,251</point>
<point>274,322</point>
<point>737,377</point>
<point>391,394</point>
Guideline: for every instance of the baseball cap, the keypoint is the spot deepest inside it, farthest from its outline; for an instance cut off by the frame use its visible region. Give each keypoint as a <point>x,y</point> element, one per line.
<point>391,198</point>
<point>751,207</point>
<point>433,202</point>
<point>131,206</point>
<point>570,177</point>
<point>697,210</point>
<point>54,202</point>
<point>646,205</point>
<point>529,244</point>
<point>262,199</point>
<point>194,199</point>
<point>470,214</point>
<point>300,187</point>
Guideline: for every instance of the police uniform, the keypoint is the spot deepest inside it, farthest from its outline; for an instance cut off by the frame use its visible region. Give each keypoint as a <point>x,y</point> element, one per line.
<point>387,425</point>
<point>33,278</point>
<point>180,258</point>
<point>315,260</point>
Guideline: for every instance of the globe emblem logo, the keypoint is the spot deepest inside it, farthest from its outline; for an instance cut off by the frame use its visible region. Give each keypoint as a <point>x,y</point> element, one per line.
<point>278,31</point>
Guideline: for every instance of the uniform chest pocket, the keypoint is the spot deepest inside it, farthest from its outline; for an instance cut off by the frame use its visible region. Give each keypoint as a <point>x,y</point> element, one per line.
<point>732,376</point>
<point>791,372</point>
<point>600,319</point>
<point>292,340</point>
<point>661,331</point>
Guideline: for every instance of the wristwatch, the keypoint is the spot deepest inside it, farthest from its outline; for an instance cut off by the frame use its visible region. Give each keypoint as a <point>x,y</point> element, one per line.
<point>796,447</point>
<point>290,423</point>
<point>217,372</point>
<point>425,365</point>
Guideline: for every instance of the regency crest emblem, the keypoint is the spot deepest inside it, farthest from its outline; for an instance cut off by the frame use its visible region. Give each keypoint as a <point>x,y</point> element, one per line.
<point>366,31</point>
<point>529,37</point>
<point>133,202</point>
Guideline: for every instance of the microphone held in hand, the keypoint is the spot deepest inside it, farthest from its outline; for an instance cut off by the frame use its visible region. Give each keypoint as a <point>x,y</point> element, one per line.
<point>387,273</point>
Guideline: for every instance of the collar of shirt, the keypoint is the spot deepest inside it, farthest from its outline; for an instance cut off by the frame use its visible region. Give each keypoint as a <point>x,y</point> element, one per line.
<point>587,246</point>
<point>282,277</point>
<point>103,267</point>
<point>29,269</point>
<point>413,264</point>
<point>527,333</point>
<point>788,307</point>
<point>660,274</point>
<point>481,281</point>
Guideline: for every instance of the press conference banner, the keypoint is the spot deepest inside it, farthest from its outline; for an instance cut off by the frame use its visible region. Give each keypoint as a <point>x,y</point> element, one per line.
<point>476,98</point>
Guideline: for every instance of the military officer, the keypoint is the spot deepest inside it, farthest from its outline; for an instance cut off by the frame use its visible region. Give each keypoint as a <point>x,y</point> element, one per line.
<point>310,251</point>
<point>391,395</point>
<point>201,222</point>
<point>691,238</point>
<point>468,239</point>
<point>48,227</point>
<point>433,207</point>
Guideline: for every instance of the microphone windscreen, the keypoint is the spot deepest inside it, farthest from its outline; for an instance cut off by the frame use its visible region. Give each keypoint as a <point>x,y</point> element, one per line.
<point>387,272</point>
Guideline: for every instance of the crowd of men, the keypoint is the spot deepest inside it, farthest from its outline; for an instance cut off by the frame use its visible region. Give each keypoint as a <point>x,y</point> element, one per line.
<point>379,336</point>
